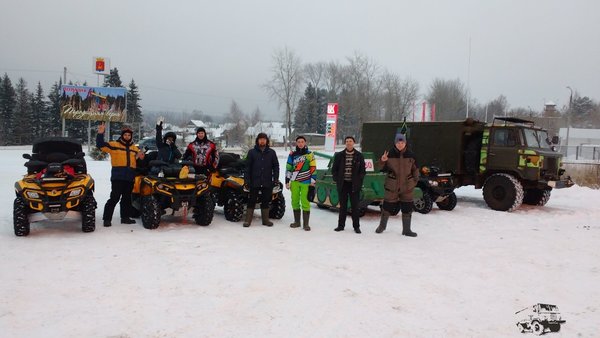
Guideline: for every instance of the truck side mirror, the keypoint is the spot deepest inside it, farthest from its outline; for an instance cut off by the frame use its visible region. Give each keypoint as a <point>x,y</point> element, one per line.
<point>555,139</point>
<point>27,156</point>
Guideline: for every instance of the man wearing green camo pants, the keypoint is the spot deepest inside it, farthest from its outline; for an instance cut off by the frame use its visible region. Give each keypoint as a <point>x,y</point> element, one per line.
<point>299,177</point>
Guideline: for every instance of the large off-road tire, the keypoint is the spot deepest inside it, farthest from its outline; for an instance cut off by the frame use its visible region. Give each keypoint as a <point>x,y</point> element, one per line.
<point>536,196</point>
<point>234,206</point>
<point>537,328</point>
<point>277,207</point>
<point>88,213</point>
<point>204,210</point>
<point>20,217</point>
<point>449,203</point>
<point>554,327</point>
<point>503,192</point>
<point>424,204</point>
<point>150,212</point>
<point>322,206</point>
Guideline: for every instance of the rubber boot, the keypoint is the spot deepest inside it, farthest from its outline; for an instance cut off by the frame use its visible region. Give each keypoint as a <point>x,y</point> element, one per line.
<point>385,216</point>
<point>406,226</point>
<point>265,217</point>
<point>249,214</point>
<point>305,218</point>
<point>296,219</point>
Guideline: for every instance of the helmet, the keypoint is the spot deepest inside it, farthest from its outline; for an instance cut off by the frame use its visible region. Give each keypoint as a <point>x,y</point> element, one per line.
<point>126,129</point>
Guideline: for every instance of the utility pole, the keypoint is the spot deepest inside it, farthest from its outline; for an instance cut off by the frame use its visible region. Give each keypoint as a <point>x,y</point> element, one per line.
<point>569,120</point>
<point>469,79</point>
<point>64,83</point>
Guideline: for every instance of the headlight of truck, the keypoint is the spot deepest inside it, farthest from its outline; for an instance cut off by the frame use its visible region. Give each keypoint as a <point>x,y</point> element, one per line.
<point>75,192</point>
<point>32,194</point>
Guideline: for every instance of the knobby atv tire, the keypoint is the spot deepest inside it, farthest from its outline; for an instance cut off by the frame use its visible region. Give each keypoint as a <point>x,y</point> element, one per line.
<point>277,207</point>
<point>503,192</point>
<point>88,213</point>
<point>424,204</point>
<point>20,217</point>
<point>537,197</point>
<point>234,206</point>
<point>554,327</point>
<point>204,210</point>
<point>449,203</point>
<point>150,212</point>
<point>537,328</point>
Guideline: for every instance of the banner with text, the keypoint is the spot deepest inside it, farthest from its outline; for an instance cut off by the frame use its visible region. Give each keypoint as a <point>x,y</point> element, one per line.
<point>93,103</point>
<point>331,126</point>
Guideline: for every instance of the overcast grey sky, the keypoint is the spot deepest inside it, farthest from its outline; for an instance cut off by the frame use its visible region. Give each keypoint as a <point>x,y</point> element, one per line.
<point>188,55</point>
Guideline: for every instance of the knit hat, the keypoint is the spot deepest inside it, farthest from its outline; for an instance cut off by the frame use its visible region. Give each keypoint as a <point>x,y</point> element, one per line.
<point>199,129</point>
<point>400,137</point>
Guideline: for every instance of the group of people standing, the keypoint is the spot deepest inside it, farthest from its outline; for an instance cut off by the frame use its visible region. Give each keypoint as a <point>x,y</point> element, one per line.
<point>262,175</point>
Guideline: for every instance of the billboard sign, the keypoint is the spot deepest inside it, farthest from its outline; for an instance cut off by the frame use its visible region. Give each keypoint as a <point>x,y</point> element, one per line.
<point>93,103</point>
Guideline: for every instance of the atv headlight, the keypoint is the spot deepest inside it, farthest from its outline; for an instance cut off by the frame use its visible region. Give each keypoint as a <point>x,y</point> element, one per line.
<point>75,192</point>
<point>433,183</point>
<point>32,194</point>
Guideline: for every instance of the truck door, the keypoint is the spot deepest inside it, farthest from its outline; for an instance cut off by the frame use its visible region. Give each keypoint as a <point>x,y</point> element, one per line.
<point>503,149</point>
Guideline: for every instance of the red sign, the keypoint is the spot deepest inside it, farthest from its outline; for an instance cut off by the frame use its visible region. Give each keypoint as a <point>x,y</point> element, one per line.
<point>332,109</point>
<point>100,66</point>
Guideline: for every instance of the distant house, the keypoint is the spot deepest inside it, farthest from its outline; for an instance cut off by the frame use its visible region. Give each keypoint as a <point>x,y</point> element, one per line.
<point>275,130</point>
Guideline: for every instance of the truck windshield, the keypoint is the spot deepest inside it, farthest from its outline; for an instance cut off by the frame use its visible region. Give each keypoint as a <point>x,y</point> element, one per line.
<point>536,138</point>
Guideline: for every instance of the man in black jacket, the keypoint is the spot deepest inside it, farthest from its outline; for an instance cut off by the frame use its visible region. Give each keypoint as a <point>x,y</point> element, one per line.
<point>262,173</point>
<point>348,172</point>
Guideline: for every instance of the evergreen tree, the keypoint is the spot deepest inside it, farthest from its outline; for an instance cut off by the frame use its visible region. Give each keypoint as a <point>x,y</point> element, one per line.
<point>52,120</point>
<point>310,115</point>
<point>39,110</point>
<point>113,79</point>
<point>22,130</point>
<point>7,106</point>
<point>134,111</point>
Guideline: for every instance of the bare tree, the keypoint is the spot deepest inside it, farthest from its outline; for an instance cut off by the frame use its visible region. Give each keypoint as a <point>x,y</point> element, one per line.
<point>449,97</point>
<point>235,134</point>
<point>498,106</point>
<point>397,95</point>
<point>285,83</point>
<point>315,73</point>
<point>256,116</point>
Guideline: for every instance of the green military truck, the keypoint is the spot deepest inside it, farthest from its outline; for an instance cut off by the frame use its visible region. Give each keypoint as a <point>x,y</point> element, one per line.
<point>513,160</point>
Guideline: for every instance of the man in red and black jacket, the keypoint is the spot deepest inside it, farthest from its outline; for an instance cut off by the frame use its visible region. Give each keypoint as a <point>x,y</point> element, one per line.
<point>202,152</point>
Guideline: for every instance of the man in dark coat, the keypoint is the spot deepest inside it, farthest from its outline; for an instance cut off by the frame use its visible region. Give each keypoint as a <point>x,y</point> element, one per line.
<point>348,172</point>
<point>262,173</point>
<point>402,177</point>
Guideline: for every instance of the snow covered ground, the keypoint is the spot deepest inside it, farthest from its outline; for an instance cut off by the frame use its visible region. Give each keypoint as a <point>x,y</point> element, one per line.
<point>465,275</point>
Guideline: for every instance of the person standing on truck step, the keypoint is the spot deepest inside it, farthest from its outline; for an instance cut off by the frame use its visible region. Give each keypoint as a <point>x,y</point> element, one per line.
<point>402,177</point>
<point>300,177</point>
<point>123,157</point>
<point>262,173</point>
<point>167,149</point>
<point>203,153</point>
<point>348,172</point>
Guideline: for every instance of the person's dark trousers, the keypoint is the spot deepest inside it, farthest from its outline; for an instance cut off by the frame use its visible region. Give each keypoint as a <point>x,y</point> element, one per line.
<point>119,190</point>
<point>345,193</point>
<point>265,198</point>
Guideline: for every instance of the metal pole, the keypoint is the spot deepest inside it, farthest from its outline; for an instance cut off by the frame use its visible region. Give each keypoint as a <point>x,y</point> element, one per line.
<point>64,82</point>
<point>568,121</point>
<point>469,79</point>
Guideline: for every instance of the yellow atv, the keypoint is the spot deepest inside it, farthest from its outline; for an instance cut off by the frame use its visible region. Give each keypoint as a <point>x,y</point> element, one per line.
<point>175,187</point>
<point>56,186</point>
<point>228,189</point>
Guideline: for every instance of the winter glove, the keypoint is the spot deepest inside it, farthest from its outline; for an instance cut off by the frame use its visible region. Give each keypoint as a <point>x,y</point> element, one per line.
<point>160,121</point>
